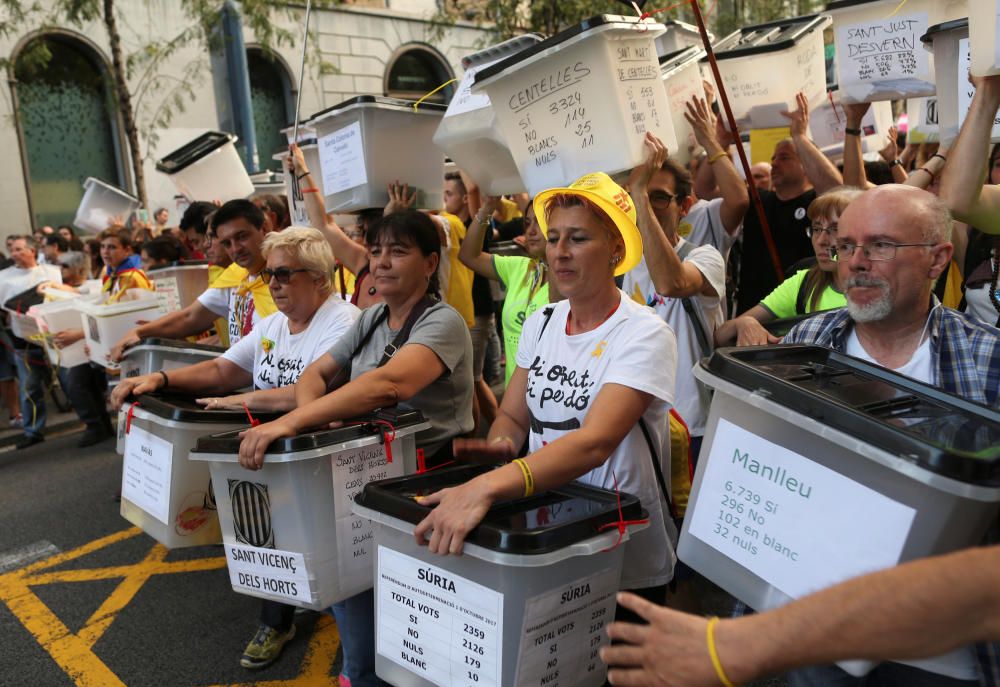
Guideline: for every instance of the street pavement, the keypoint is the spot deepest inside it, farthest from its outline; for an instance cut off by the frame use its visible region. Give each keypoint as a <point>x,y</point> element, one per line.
<point>87,599</point>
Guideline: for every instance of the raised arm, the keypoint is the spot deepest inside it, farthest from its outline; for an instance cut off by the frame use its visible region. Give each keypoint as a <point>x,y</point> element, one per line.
<point>471,253</point>
<point>349,252</point>
<point>854,164</point>
<point>962,184</point>
<point>671,277</point>
<point>822,173</point>
<point>735,198</point>
<point>890,154</point>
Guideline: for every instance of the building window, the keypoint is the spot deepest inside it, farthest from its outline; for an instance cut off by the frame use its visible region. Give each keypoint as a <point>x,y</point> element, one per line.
<point>416,70</point>
<point>272,102</point>
<point>68,125</point>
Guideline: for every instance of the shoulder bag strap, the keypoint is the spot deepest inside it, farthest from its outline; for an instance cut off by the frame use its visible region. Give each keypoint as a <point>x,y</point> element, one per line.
<point>404,333</point>
<point>800,298</point>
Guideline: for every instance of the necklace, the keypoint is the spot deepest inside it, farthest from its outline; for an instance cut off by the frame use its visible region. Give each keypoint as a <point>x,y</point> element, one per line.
<point>569,317</point>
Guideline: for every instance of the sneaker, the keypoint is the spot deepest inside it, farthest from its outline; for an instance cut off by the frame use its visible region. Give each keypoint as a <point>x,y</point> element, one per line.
<point>265,647</point>
<point>17,422</point>
<point>29,440</point>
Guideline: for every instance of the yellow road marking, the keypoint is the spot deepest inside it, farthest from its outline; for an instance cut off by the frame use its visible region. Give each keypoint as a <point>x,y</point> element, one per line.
<point>73,653</point>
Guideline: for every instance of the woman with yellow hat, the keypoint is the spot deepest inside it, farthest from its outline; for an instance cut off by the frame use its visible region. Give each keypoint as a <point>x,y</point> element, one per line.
<point>592,389</point>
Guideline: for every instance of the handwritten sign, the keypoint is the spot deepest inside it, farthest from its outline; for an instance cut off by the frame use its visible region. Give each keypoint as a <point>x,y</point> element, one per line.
<point>884,59</point>
<point>794,523</point>
<point>272,572</point>
<point>465,100</point>
<point>342,158</point>
<point>584,107</point>
<point>966,90</point>
<point>146,472</point>
<point>445,629</point>
<point>563,633</point>
<point>352,470</point>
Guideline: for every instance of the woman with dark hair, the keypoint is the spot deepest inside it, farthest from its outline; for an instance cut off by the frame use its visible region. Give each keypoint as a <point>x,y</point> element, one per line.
<point>809,290</point>
<point>370,368</point>
<point>159,252</point>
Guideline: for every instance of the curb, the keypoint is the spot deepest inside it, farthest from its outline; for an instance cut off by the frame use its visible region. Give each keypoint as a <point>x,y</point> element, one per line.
<point>50,430</point>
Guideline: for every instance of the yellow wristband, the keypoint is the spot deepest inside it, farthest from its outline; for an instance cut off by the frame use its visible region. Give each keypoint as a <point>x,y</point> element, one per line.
<point>714,654</point>
<point>718,156</point>
<point>529,480</point>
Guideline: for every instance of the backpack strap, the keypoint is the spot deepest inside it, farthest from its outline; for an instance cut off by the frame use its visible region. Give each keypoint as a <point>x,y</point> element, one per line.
<point>688,303</point>
<point>800,298</point>
<point>654,456</point>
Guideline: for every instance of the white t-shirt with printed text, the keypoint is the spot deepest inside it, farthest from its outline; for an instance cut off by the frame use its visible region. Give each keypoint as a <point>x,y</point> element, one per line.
<point>236,308</point>
<point>633,348</point>
<point>692,399</point>
<point>703,226</point>
<point>276,357</point>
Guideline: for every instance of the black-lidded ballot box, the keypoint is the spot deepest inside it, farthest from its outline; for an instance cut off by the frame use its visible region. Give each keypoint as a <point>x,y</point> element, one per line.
<point>527,602</point>
<point>817,467</point>
<point>288,531</point>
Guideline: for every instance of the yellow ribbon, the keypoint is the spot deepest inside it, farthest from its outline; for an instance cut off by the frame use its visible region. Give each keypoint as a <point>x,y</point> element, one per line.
<point>898,7</point>
<point>428,95</point>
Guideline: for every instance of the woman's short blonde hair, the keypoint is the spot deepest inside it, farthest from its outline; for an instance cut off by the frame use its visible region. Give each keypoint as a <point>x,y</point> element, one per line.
<point>834,200</point>
<point>308,247</point>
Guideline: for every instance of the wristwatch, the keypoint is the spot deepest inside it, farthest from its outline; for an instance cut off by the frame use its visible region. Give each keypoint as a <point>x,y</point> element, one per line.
<point>895,162</point>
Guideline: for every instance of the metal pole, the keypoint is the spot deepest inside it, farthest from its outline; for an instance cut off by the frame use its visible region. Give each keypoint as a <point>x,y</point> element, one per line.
<point>772,248</point>
<point>302,73</point>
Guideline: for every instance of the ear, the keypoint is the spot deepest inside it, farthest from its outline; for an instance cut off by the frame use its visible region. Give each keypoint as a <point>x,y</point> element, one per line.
<point>686,205</point>
<point>940,259</point>
<point>432,263</point>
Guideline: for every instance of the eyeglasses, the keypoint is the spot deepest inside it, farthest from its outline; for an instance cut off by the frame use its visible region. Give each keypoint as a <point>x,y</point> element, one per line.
<point>875,251</point>
<point>661,199</point>
<point>282,275</point>
<point>817,229</point>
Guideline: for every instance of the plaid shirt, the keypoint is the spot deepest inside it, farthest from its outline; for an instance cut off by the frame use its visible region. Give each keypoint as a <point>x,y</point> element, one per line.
<point>965,352</point>
<point>966,356</point>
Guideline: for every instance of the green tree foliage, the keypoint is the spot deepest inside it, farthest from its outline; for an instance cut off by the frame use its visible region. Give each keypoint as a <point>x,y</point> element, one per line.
<point>145,94</point>
<point>512,17</point>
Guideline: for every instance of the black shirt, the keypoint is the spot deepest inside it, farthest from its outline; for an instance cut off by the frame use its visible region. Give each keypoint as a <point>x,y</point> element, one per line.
<point>788,221</point>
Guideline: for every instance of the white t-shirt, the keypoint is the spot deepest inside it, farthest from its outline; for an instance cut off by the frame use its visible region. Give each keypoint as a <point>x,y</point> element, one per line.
<point>276,357</point>
<point>703,226</point>
<point>919,367</point>
<point>16,280</point>
<point>693,398</point>
<point>634,348</point>
<point>236,308</point>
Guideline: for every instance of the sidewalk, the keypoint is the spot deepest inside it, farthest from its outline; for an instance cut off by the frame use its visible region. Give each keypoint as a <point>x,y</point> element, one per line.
<point>58,423</point>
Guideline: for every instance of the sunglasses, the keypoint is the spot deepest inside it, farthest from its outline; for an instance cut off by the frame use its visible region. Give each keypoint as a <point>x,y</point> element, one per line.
<point>282,275</point>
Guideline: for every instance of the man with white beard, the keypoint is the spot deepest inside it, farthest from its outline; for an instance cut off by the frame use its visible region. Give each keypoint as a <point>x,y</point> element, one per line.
<point>892,243</point>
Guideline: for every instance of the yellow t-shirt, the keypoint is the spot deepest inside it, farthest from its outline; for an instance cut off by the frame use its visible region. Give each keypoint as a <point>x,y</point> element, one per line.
<point>117,285</point>
<point>459,295</point>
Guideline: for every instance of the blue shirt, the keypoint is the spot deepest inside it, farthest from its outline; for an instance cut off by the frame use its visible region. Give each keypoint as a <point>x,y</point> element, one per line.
<point>964,351</point>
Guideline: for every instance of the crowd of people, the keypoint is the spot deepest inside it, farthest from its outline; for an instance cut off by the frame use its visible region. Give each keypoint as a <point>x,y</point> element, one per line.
<point>620,286</point>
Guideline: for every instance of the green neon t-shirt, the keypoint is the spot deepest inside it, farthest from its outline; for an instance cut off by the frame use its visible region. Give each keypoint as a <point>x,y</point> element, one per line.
<point>781,301</point>
<point>526,293</point>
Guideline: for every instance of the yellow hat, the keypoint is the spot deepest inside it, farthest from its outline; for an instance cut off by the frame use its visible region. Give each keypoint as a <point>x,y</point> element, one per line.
<point>615,201</point>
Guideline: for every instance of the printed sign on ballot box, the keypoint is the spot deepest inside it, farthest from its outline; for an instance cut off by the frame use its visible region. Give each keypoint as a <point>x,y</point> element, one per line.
<point>251,513</point>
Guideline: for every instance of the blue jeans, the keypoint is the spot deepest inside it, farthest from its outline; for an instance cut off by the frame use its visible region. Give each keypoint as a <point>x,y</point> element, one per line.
<point>32,374</point>
<point>883,675</point>
<point>85,386</point>
<point>356,624</point>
